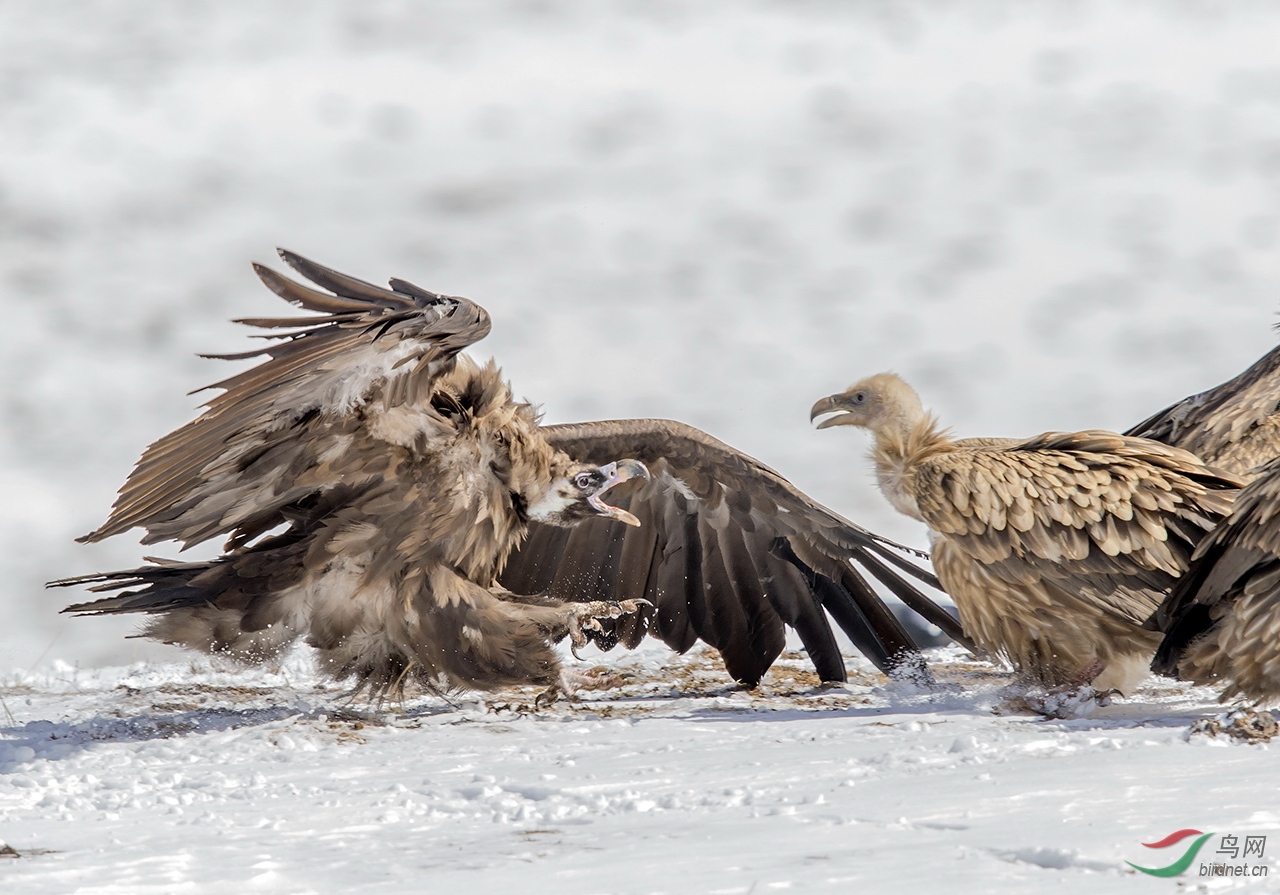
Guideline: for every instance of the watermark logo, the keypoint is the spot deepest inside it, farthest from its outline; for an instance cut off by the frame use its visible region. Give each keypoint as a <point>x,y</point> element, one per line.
<point>1229,845</point>
<point>1180,865</point>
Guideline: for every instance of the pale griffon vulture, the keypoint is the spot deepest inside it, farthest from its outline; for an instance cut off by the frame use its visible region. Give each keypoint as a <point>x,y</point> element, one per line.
<point>372,482</point>
<point>1057,548</point>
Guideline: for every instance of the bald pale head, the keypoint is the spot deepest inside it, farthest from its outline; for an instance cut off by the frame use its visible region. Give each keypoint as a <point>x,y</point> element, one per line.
<point>883,403</point>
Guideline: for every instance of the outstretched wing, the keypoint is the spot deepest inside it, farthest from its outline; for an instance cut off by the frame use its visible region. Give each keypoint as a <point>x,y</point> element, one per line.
<point>728,552</point>
<point>1107,519</point>
<point>1234,426</point>
<point>261,445</point>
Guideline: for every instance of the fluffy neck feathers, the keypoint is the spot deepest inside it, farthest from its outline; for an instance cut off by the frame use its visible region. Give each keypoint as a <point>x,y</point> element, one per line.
<point>897,452</point>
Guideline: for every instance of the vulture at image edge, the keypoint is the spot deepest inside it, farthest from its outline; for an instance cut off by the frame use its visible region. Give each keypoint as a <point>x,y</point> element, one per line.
<point>1057,548</point>
<point>372,483</point>
<point>1222,621</point>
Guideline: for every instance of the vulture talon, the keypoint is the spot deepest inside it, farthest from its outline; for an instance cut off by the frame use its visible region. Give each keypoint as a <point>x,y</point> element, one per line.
<point>631,607</point>
<point>581,618</point>
<point>1076,700</point>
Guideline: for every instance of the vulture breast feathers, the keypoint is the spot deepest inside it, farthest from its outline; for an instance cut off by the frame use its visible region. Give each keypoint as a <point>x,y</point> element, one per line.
<point>372,482</point>
<point>1057,548</point>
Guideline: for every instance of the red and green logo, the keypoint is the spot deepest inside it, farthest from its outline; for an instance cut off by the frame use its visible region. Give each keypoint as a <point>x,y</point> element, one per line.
<point>1180,865</point>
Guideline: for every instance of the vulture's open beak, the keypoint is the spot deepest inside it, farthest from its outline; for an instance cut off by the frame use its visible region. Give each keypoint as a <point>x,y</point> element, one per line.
<point>619,472</point>
<point>831,404</point>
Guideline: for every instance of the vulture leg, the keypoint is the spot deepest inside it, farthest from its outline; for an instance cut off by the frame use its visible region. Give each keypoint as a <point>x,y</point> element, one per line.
<point>1075,698</point>
<point>1064,703</point>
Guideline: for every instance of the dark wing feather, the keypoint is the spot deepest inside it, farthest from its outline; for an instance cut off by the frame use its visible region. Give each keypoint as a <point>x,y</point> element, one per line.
<point>1245,546</point>
<point>1234,426</point>
<point>729,552</point>
<point>259,446</point>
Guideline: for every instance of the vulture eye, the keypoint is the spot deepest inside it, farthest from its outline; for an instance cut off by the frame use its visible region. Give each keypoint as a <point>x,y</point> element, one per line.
<point>584,480</point>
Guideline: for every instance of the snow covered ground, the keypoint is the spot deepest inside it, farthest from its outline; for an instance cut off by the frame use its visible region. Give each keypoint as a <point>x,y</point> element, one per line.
<point>1046,216</point>
<point>172,779</point>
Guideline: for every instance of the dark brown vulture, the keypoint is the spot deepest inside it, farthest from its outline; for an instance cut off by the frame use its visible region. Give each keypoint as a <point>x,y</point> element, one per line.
<point>1056,549</point>
<point>1223,618</point>
<point>1234,426</point>
<point>372,482</point>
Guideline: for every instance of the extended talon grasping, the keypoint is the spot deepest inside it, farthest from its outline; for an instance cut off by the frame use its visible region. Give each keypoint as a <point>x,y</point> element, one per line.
<point>584,617</point>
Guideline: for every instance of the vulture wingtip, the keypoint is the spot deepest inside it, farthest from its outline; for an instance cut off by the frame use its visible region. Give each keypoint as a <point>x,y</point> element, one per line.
<point>265,274</point>
<point>293,259</point>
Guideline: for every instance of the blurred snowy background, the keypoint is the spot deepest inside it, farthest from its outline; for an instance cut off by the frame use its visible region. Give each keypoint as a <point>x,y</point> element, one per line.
<point>1046,216</point>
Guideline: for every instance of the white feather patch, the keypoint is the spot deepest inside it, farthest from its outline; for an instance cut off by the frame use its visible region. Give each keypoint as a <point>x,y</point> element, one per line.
<point>556,498</point>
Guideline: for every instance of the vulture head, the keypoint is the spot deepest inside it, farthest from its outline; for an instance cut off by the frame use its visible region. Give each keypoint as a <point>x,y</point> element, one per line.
<point>576,494</point>
<point>883,403</point>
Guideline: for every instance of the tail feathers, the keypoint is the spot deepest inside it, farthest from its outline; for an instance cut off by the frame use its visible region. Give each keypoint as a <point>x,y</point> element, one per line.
<point>165,586</point>
<point>200,605</point>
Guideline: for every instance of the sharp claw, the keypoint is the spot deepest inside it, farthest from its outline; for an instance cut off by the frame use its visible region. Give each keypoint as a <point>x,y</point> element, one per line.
<point>585,617</point>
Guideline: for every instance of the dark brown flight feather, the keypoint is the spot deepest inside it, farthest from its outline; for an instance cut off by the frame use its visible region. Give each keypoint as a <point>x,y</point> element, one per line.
<point>1221,623</point>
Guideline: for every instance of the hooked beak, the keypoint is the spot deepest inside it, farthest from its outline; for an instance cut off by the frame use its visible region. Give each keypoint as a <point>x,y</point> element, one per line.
<point>831,404</point>
<point>618,472</point>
